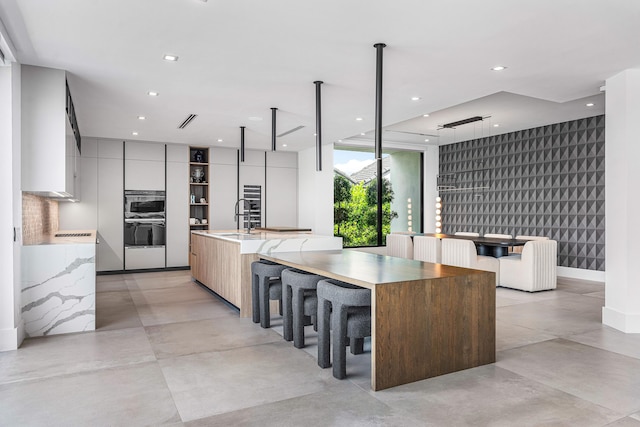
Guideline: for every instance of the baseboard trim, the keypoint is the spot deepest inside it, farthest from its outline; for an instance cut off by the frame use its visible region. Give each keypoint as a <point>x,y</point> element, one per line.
<point>142,270</point>
<point>11,339</point>
<point>628,323</point>
<point>582,274</point>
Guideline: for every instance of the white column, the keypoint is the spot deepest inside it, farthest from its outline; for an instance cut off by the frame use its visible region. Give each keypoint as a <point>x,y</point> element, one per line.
<point>11,326</point>
<point>431,165</point>
<point>315,191</point>
<point>622,187</point>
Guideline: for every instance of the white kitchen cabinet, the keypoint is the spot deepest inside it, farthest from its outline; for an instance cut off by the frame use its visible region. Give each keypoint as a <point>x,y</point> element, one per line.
<point>49,148</point>
<point>144,166</point>
<point>282,189</point>
<point>223,187</point>
<point>84,214</point>
<point>177,206</point>
<point>252,172</point>
<point>110,250</point>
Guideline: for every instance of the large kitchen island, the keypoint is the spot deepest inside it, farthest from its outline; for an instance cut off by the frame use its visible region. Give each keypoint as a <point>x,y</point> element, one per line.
<point>221,260</point>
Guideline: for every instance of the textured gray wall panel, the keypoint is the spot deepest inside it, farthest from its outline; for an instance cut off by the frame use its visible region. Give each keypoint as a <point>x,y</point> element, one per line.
<point>546,181</point>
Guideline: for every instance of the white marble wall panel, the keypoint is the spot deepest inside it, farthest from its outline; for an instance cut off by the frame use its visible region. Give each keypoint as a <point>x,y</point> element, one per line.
<point>58,289</point>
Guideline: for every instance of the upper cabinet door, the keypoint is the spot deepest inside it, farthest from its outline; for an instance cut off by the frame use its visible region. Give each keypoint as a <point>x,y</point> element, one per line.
<point>144,166</point>
<point>48,153</point>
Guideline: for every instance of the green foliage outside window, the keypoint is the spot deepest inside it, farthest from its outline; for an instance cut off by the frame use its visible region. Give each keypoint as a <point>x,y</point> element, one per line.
<point>355,211</point>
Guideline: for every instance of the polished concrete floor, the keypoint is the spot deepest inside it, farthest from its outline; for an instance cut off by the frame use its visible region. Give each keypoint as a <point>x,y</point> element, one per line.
<point>167,352</point>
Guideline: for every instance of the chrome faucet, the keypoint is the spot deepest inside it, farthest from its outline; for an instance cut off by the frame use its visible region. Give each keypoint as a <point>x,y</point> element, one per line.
<point>246,214</point>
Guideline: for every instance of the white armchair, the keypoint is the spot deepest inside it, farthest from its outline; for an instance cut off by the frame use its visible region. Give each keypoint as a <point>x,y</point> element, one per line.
<point>518,249</point>
<point>400,245</point>
<point>533,270</point>
<point>462,253</point>
<point>427,248</point>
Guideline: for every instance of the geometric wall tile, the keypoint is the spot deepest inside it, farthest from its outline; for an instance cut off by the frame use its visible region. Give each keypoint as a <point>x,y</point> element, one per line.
<point>542,181</point>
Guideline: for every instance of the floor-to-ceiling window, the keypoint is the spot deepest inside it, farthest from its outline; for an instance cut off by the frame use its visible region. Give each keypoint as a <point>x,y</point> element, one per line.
<point>355,195</point>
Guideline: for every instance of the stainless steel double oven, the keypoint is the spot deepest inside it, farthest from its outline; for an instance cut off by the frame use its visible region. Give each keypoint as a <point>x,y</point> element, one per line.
<point>144,219</point>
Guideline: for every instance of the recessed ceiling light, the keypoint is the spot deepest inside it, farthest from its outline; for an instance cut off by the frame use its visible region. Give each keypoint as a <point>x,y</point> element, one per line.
<point>168,57</point>
<point>591,104</point>
<point>426,140</point>
<point>315,134</point>
<point>134,133</point>
<point>499,68</point>
<point>415,98</point>
<point>425,115</point>
<point>219,140</point>
<point>362,133</point>
<point>284,145</point>
<point>152,93</point>
<point>496,125</point>
<point>141,117</point>
<point>255,119</point>
<point>359,119</point>
<point>339,140</point>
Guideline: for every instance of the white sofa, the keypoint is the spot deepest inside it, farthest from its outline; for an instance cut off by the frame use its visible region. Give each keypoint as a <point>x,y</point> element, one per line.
<point>533,270</point>
<point>427,248</point>
<point>400,245</point>
<point>462,253</point>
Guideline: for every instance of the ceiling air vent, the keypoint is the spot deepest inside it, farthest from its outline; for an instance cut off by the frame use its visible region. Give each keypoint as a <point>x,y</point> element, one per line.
<point>187,121</point>
<point>462,122</point>
<point>295,129</point>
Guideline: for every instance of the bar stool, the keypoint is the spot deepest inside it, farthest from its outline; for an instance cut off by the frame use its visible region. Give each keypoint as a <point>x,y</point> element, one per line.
<point>299,301</point>
<point>265,285</point>
<point>349,308</point>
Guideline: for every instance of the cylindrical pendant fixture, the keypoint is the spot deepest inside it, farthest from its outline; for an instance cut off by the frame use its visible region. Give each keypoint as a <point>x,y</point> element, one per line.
<point>242,143</point>
<point>273,128</point>
<point>318,84</point>
<point>378,124</point>
<point>378,132</point>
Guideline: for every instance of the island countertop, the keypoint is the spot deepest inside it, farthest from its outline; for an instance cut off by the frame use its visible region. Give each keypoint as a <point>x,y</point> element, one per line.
<point>221,259</point>
<point>266,242</point>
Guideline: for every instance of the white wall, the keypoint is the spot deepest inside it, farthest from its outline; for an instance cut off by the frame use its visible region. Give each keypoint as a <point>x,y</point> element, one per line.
<point>315,191</point>
<point>622,175</point>
<point>11,325</point>
<point>431,165</point>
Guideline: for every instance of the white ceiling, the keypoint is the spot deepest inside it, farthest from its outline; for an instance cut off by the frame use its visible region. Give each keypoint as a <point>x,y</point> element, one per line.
<point>239,58</point>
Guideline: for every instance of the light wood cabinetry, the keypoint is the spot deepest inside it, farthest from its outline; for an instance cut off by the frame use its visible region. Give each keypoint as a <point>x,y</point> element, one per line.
<point>219,265</point>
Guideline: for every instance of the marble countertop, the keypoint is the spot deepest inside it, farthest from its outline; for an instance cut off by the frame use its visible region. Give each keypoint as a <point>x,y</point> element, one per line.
<point>268,242</point>
<point>65,237</point>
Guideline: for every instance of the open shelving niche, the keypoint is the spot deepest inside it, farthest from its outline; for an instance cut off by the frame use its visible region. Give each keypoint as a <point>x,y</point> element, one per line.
<point>198,188</point>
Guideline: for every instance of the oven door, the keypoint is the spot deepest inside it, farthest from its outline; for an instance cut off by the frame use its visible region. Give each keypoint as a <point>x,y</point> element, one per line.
<point>144,233</point>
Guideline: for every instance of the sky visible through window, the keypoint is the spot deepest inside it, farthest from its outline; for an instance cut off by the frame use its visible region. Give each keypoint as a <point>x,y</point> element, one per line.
<point>350,162</point>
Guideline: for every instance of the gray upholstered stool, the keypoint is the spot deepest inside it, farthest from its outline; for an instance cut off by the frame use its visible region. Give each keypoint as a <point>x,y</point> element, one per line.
<point>349,308</point>
<point>299,301</point>
<point>265,285</point>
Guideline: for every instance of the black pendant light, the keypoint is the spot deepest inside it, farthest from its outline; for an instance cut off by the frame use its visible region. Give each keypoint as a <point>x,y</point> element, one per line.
<point>242,143</point>
<point>378,132</point>
<point>318,84</point>
<point>273,128</point>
